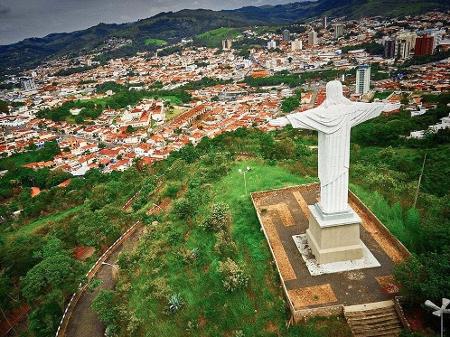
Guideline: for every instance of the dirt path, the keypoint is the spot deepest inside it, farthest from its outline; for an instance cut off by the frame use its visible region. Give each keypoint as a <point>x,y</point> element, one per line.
<point>83,321</point>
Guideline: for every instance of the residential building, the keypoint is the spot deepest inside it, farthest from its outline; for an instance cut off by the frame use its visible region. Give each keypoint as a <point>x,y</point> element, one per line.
<point>272,44</point>
<point>424,45</point>
<point>296,45</point>
<point>312,38</point>
<point>389,49</point>
<point>338,30</point>
<point>227,44</point>
<point>362,79</point>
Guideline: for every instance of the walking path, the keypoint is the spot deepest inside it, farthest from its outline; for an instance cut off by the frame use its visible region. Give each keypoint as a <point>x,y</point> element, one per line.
<point>84,321</point>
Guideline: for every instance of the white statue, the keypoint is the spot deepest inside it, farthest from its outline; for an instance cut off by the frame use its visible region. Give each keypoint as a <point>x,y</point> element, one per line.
<point>333,120</point>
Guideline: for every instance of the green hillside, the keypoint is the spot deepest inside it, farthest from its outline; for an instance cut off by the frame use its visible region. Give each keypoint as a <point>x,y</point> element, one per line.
<point>213,38</point>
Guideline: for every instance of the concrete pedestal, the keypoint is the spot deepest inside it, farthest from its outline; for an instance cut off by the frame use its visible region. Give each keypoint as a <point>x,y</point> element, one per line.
<point>334,237</point>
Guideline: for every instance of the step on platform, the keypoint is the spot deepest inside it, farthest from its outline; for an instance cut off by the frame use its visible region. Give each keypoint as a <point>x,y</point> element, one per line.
<point>373,319</point>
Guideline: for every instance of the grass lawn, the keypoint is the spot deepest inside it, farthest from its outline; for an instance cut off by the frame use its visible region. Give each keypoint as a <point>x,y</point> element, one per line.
<point>155,42</point>
<point>382,95</point>
<point>209,310</point>
<point>41,222</point>
<point>174,113</point>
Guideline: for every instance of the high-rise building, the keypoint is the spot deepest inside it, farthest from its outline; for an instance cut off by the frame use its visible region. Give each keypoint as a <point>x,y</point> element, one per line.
<point>362,79</point>
<point>338,30</point>
<point>404,44</point>
<point>286,35</point>
<point>296,45</point>
<point>402,48</point>
<point>27,84</point>
<point>312,38</point>
<point>272,44</point>
<point>424,45</point>
<point>389,49</point>
<point>325,22</point>
<point>227,44</point>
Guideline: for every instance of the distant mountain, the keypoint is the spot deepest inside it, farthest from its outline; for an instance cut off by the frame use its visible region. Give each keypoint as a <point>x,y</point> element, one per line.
<point>172,27</point>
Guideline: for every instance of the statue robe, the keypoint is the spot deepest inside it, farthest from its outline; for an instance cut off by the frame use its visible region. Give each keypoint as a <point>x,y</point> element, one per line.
<point>333,121</point>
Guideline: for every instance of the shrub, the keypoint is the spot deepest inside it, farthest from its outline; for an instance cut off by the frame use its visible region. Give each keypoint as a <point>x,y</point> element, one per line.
<point>104,306</point>
<point>233,275</point>
<point>189,255</point>
<point>224,244</point>
<point>172,190</point>
<point>219,219</point>
<point>175,303</point>
<point>182,208</point>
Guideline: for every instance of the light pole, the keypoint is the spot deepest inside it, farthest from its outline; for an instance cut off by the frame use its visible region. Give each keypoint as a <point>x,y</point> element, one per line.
<point>245,178</point>
<point>439,312</point>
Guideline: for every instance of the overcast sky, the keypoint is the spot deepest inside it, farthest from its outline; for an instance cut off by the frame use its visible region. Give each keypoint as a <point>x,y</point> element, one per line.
<point>20,19</point>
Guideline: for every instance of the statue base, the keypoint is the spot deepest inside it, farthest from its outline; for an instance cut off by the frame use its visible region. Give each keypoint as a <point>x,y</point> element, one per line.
<point>334,237</point>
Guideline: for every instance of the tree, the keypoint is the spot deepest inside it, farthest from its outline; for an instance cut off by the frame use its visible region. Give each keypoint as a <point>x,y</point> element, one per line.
<point>58,272</point>
<point>4,107</point>
<point>95,229</point>
<point>425,276</point>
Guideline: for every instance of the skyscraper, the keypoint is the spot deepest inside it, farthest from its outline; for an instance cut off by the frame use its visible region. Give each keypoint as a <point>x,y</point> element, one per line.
<point>362,79</point>
<point>424,45</point>
<point>338,30</point>
<point>325,22</point>
<point>312,38</point>
<point>404,44</point>
<point>272,44</point>
<point>286,35</point>
<point>27,84</point>
<point>226,44</point>
<point>389,49</point>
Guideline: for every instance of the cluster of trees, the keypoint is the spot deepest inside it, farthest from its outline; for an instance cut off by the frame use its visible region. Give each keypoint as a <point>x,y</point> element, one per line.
<point>36,260</point>
<point>121,99</point>
<point>90,110</point>
<point>371,47</point>
<point>203,83</point>
<point>292,80</point>
<point>418,60</point>
<point>291,103</point>
<point>73,70</point>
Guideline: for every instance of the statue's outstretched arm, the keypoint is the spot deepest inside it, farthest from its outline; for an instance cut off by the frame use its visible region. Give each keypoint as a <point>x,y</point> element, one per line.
<point>366,111</point>
<point>280,122</point>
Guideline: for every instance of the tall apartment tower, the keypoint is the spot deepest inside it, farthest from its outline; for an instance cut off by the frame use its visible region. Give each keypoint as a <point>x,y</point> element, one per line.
<point>424,45</point>
<point>389,49</point>
<point>286,35</point>
<point>227,44</point>
<point>312,38</point>
<point>362,79</point>
<point>325,22</point>
<point>27,84</point>
<point>404,44</point>
<point>272,44</point>
<point>338,30</point>
<point>296,45</point>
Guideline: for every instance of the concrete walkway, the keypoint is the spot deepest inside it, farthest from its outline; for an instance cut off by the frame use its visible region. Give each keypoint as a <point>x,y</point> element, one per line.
<point>84,321</point>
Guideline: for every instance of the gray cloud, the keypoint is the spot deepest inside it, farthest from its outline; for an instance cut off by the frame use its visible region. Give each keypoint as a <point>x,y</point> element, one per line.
<point>4,10</point>
<point>20,19</point>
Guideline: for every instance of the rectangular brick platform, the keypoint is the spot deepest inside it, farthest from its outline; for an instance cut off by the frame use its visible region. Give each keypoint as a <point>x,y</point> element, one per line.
<point>282,214</point>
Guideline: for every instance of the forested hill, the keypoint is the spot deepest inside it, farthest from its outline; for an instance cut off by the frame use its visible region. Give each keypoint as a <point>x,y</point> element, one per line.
<point>173,26</point>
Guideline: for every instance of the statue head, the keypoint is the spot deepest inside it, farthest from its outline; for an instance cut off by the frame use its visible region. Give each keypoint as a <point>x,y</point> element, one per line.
<point>335,94</point>
<point>334,90</point>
